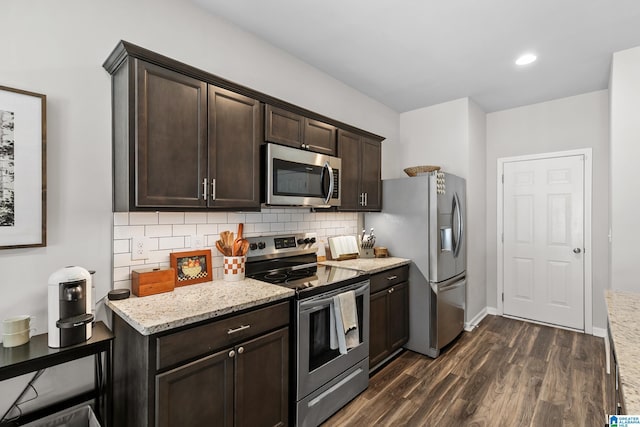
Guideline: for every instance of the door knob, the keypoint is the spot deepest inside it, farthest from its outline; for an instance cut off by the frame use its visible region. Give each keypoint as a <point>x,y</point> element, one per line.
<point>577,250</point>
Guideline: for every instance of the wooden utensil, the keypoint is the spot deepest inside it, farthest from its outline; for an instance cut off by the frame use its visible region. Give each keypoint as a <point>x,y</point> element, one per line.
<point>221,248</point>
<point>240,229</point>
<point>237,247</point>
<point>245,247</point>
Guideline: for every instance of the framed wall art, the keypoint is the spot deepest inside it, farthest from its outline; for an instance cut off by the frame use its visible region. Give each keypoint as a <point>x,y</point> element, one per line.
<point>192,267</point>
<point>23,195</point>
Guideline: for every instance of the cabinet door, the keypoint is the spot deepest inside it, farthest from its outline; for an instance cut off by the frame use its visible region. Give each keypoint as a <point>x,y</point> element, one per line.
<point>371,152</point>
<point>398,316</point>
<point>171,125</point>
<point>283,127</point>
<point>234,150</point>
<point>262,381</point>
<point>197,394</point>
<point>378,348</point>
<point>320,137</point>
<point>349,152</point>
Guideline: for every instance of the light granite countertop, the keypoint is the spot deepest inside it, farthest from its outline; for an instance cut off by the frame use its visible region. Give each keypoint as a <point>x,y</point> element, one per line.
<point>194,303</point>
<point>368,265</point>
<point>624,320</point>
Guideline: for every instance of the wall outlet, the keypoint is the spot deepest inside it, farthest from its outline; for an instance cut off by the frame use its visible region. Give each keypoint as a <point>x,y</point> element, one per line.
<point>197,241</point>
<point>139,248</point>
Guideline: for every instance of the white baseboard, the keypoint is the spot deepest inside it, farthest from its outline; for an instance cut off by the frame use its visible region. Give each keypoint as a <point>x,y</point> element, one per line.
<point>473,323</point>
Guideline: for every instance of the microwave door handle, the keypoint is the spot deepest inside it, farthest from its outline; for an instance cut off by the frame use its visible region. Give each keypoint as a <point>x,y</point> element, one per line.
<point>329,170</point>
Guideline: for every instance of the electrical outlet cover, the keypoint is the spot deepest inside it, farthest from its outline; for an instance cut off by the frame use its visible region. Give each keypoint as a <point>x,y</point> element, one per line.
<point>197,241</point>
<point>139,248</point>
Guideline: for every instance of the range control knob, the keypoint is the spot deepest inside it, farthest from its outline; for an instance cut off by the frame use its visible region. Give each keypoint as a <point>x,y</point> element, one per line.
<point>312,240</point>
<point>300,241</point>
<point>253,246</point>
<point>261,245</point>
<point>307,240</point>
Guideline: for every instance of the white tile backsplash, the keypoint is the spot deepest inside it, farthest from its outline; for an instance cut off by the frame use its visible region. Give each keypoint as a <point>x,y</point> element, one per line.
<point>171,218</point>
<point>171,232</point>
<point>143,218</point>
<point>184,229</point>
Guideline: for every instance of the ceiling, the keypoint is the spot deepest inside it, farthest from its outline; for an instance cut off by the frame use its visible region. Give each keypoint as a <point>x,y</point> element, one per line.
<point>409,54</point>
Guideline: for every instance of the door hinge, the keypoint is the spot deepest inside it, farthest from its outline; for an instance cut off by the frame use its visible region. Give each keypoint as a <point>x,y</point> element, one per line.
<point>502,237</point>
<point>503,178</point>
<point>503,297</point>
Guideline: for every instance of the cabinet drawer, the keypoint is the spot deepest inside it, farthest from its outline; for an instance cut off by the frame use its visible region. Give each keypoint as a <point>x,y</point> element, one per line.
<point>197,341</point>
<point>389,277</point>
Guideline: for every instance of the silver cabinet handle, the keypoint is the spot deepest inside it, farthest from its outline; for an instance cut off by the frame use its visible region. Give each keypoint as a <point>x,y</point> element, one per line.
<point>391,290</point>
<point>213,189</point>
<point>240,350</point>
<point>392,277</point>
<point>366,199</point>
<point>577,250</point>
<point>204,189</point>
<point>241,328</point>
<point>232,353</point>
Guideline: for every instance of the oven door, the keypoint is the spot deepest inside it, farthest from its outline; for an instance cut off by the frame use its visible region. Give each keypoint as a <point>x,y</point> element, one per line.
<point>301,178</point>
<point>317,362</point>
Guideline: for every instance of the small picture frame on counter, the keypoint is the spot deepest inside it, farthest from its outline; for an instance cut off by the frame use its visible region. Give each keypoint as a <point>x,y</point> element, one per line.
<point>192,267</point>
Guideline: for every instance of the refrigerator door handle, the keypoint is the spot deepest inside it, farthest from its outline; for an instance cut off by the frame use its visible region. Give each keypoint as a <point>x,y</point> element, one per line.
<point>457,241</point>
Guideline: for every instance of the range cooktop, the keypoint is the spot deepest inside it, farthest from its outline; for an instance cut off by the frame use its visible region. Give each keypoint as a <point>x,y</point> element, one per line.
<point>290,261</point>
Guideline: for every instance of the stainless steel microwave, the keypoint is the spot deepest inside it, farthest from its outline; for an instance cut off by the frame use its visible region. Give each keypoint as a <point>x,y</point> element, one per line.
<point>297,177</point>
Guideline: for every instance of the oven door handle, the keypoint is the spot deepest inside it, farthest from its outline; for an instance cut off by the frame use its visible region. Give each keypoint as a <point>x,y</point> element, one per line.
<point>329,300</point>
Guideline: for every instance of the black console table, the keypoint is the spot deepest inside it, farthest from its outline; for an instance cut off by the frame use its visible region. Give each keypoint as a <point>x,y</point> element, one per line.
<point>37,355</point>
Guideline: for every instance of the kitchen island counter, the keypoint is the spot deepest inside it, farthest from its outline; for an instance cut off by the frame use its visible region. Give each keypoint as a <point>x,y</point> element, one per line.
<point>369,265</point>
<point>623,309</point>
<point>194,303</point>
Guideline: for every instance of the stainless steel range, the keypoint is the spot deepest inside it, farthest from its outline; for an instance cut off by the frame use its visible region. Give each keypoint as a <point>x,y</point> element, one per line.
<point>326,377</point>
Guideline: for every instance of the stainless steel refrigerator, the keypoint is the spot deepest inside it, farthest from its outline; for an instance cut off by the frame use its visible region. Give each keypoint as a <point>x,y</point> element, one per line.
<point>423,219</point>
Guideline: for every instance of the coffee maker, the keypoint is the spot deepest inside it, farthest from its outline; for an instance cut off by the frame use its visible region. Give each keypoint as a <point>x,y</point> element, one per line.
<point>70,312</point>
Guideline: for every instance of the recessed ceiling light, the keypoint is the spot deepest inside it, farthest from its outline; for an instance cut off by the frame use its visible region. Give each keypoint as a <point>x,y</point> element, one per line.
<point>525,59</point>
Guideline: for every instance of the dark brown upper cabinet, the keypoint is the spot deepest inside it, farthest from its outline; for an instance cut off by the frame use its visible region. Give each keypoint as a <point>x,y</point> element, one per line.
<point>180,143</point>
<point>234,150</point>
<point>361,172</point>
<point>287,128</point>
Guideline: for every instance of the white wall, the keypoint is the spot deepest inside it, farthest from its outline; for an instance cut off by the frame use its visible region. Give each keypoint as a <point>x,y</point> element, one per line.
<point>436,135</point>
<point>476,212</point>
<point>57,48</point>
<point>564,124</point>
<point>625,173</point>
<point>452,135</point>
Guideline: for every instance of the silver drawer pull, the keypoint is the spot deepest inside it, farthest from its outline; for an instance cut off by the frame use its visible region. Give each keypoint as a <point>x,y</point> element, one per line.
<point>232,353</point>
<point>391,290</point>
<point>241,328</point>
<point>240,350</point>
<point>392,277</point>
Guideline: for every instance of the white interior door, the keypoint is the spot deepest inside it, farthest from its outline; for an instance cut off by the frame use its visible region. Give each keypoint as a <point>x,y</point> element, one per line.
<point>543,257</point>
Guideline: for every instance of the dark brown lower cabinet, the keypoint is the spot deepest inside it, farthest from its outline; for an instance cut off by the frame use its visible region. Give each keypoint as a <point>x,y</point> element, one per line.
<point>232,372</point>
<point>196,393</point>
<point>235,387</point>
<point>389,314</point>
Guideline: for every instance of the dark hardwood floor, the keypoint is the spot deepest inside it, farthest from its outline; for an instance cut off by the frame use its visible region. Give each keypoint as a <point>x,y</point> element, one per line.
<point>504,373</point>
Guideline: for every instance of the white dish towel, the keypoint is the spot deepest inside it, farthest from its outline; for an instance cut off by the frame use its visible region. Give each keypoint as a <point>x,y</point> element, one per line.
<point>345,313</point>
